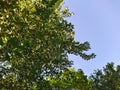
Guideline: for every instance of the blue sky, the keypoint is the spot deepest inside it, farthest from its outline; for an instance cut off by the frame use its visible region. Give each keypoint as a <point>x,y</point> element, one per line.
<point>96,21</point>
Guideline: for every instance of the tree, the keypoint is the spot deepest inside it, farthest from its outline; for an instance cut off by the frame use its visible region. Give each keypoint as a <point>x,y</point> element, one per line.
<point>108,78</point>
<point>71,79</point>
<point>35,41</point>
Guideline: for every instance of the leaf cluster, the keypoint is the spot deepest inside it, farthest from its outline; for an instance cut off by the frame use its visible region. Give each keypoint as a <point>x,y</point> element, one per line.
<point>35,41</point>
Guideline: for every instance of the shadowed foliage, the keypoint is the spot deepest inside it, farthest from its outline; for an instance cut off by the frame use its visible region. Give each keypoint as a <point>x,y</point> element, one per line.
<point>108,78</point>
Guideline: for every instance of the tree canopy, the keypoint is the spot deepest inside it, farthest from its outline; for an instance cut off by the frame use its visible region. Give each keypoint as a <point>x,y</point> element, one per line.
<point>71,80</point>
<point>35,41</point>
<point>108,78</point>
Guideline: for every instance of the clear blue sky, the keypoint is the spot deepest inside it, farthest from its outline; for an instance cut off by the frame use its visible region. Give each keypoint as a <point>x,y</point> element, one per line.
<point>96,21</point>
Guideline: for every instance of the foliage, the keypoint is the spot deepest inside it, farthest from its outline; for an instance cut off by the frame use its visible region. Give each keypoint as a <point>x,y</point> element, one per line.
<point>71,79</point>
<point>108,78</point>
<point>35,41</point>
